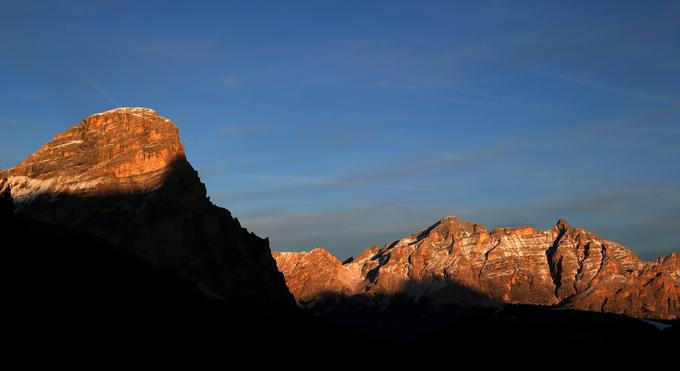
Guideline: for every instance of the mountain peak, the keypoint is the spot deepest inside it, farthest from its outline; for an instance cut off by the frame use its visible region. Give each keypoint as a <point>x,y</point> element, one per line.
<point>562,224</point>
<point>121,150</point>
<point>140,112</point>
<point>449,219</point>
<point>130,110</point>
<point>330,276</point>
<point>122,176</point>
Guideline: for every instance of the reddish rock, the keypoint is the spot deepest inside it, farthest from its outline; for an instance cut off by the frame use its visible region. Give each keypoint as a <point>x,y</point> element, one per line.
<point>561,266</point>
<point>124,150</point>
<point>316,272</point>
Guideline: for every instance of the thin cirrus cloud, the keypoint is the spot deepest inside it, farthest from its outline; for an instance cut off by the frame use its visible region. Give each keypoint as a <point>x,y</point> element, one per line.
<point>673,65</point>
<point>344,230</point>
<point>605,88</point>
<point>418,166</point>
<point>10,124</point>
<point>380,175</point>
<point>661,119</point>
<point>100,91</point>
<point>227,82</point>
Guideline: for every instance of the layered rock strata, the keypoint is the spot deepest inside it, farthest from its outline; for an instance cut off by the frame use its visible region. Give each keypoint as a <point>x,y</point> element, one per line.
<point>563,266</point>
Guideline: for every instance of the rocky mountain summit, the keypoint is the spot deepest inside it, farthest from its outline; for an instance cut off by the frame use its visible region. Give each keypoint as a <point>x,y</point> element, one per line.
<point>122,176</point>
<point>462,263</point>
<point>310,274</point>
<point>120,151</point>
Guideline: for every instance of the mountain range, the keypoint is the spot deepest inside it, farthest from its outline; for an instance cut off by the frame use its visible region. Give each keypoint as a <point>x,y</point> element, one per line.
<point>110,242</point>
<point>459,262</point>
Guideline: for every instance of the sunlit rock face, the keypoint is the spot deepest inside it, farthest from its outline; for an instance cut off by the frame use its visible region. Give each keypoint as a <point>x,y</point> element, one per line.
<point>123,150</point>
<point>315,272</point>
<point>562,266</point>
<point>122,175</point>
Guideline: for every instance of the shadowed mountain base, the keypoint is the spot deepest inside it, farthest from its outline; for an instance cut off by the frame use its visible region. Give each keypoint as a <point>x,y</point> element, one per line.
<point>79,296</point>
<point>427,324</point>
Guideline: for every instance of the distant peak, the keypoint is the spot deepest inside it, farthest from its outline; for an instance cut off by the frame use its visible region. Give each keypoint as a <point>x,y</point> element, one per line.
<point>131,116</point>
<point>445,221</point>
<point>314,251</point>
<point>562,224</point>
<point>322,251</point>
<point>138,110</point>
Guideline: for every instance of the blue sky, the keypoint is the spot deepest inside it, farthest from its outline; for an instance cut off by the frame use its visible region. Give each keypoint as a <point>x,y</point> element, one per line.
<point>350,123</point>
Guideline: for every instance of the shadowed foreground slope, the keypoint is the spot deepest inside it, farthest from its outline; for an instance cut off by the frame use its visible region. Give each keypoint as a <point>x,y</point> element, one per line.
<point>73,295</point>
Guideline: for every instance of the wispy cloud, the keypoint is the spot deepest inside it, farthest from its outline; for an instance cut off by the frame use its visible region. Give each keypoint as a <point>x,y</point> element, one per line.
<point>279,179</point>
<point>648,120</point>
<point>649,237</point>
<point>673,65</point>
<point>414,166</point>
<point>617,200</point>
<point>227,82</point>
<point>606,211</point>
<point>345,231</point>
<point>8,155</point>
<point>458,93</point>
<point>97,88</point>
<point>241,129</point>
<point>8,124</point>
<point>645,219</point>
<point>382,174</point>
<point>644,96</point>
